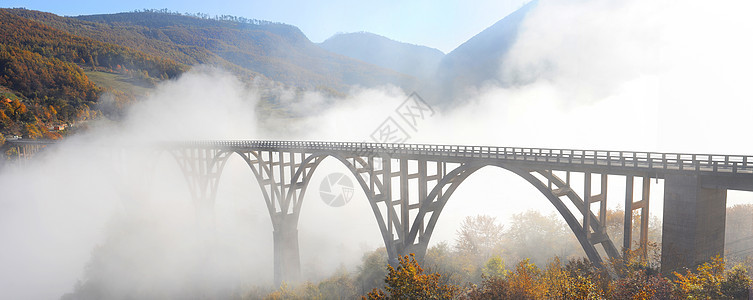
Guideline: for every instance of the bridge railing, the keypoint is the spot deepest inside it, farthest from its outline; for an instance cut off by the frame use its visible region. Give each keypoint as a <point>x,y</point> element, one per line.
<point>674,161</point>
<point>635,159</point>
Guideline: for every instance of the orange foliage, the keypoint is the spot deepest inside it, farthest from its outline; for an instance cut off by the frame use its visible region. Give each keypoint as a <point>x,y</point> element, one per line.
<point>409,281</point>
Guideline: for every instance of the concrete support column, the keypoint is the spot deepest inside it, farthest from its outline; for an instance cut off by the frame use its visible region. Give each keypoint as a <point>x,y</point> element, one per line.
<point>693,226</point>
<point>287,259</point>
<point>418,249</point>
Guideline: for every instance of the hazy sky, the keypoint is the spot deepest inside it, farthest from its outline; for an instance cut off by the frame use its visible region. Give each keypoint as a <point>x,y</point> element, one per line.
<point>440,24</point>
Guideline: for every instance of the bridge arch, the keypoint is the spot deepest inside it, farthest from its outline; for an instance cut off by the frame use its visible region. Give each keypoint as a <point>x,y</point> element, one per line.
<point>259,171</point>
<point>314,159</point>
<point>284,196</point>
<point>442,192</point>
<point>202,173</point>
<point>318,157</point>
<point>439,196</point>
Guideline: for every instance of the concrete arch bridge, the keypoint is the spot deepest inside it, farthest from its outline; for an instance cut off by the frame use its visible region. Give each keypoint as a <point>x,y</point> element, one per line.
<point>408,185</point>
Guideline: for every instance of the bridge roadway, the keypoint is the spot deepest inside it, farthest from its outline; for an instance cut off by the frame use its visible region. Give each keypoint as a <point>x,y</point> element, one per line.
<point>612,162</point>
<point>695,188</point>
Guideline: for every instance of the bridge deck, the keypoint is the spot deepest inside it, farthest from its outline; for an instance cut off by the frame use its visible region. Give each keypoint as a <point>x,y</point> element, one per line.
<point>627,162</point>
<point>654,164</point>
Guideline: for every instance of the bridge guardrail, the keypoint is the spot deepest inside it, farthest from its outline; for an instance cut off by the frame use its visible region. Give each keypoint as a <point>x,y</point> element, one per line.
<point>635,159</point>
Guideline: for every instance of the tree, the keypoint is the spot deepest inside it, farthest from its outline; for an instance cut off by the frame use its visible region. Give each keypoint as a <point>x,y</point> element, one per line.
<point>479,236</point>
<point>32,131</point>
<point>494,287</point>
<point>525,282</point>
<point>454,268</point>
<point>539,237</point>
<point>477,240</point>
<point>639,284</point>
<point>338,286</point>
<point>11,153</point>
<point>372,270</point>
<point>495,266</point>
<point>739,235</point>
<point>578,279</point>
<point>710,281</point>
<point>737,283</point>
<point>303,291</point>
<point>409,281</point>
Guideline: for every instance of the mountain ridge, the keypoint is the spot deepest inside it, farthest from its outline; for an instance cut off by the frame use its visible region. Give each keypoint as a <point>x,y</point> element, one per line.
<point>144,47</point>
<point>276,51</point>
<point>477,60</point>
<point>416,60</point>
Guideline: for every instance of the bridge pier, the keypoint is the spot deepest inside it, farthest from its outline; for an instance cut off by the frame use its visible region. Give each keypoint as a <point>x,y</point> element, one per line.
<point>694,222</point>
<point>287,260</point>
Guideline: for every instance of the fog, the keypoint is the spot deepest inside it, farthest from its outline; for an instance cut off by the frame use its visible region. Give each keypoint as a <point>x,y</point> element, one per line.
<point>632,75</point>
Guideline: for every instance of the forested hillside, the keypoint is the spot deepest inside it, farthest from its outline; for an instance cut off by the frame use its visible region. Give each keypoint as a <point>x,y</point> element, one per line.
<point>247,47</point>
<point>140,39</point>
<point>41,70</point>
<point>53,69</point>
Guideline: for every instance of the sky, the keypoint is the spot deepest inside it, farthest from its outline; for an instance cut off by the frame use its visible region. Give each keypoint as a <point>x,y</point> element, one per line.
<point>438,24</point>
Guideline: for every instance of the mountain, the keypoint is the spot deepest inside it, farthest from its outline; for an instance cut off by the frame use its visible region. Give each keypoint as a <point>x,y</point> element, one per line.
<point>478,60</point>
<point>418,61</point>
<point>53,69</point>
<point>277,51</point>
<point>142,40</point>
<point>42,78</point>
